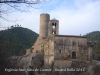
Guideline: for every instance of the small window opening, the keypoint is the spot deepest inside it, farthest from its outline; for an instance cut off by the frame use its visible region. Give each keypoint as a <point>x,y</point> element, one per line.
<point>60,51</point>
<point>73,43</point>
<point>32,57</point>
<point>36,51</point>
<point>53,32</point>
<point>52,23</point>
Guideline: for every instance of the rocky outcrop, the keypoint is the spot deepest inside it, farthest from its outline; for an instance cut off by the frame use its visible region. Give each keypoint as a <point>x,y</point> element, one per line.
<point>33,59</point>
<point>59,67</point>
<point>25,61</point>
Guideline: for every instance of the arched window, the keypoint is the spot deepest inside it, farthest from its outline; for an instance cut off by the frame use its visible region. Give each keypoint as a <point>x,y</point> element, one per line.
<point>54,25</point>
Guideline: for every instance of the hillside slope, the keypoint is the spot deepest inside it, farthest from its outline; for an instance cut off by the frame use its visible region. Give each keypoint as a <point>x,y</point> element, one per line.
<point>94,37</point>
<point>16,40</point>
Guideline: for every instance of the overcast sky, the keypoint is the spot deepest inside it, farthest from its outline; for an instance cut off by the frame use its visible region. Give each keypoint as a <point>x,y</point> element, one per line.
<point>75,16</point>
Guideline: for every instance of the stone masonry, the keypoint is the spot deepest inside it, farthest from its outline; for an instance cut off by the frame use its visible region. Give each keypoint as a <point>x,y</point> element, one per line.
<point>57,47</point>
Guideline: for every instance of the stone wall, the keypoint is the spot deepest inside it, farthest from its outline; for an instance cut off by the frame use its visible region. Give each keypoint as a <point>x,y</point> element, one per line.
<point>37,47</point>
<point>49,50</point>
<point>68,46</point>
<point>62,64</point>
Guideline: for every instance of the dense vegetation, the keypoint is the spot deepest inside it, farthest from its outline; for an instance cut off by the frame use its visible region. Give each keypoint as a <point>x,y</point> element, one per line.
<point>94,37</point>
<point>16,40</point>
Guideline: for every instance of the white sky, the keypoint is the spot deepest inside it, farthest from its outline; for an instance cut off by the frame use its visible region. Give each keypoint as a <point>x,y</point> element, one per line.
<point>75,16</point>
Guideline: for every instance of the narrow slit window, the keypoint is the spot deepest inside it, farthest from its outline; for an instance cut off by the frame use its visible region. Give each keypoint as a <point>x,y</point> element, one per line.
<point>60,51</point>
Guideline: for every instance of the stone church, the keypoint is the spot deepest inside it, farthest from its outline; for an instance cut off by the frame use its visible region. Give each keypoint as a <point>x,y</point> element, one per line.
<point>60,47</point>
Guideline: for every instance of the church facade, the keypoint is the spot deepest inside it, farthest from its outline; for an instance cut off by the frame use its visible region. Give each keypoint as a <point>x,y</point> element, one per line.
<point>60,47</point>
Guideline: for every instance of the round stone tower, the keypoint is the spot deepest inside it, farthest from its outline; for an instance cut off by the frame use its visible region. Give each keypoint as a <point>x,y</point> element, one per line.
<point>44,21</point>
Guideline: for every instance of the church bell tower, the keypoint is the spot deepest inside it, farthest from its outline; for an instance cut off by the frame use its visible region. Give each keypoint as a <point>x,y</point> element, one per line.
<point>53,27</point>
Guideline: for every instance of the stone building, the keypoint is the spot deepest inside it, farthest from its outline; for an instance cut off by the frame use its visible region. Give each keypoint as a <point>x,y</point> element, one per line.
<point>60,47</point>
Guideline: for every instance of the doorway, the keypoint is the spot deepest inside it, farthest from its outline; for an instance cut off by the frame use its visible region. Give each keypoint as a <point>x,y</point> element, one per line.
<point>73,55</point>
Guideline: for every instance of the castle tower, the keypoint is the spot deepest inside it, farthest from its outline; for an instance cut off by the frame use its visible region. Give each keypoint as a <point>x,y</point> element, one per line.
<point>44,21</point>
<point>53,27</point>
